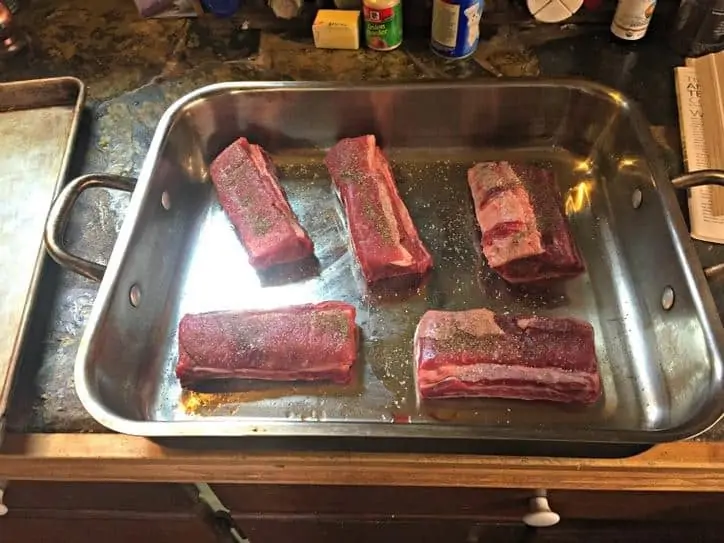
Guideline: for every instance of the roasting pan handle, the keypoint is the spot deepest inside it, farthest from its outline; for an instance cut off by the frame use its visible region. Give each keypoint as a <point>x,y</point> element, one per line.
<point>60,213</point>
<point>697,179</point>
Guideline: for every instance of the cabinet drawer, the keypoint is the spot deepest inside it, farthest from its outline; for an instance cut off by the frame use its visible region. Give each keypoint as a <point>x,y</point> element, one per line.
<point>312,530</point>
<point>21,529</point>
<point>281,530</point>
<point>98,496</point>
<point>639,506</point>
<point>370,503</point>
<point>627,532</point>
<point>374,502</point>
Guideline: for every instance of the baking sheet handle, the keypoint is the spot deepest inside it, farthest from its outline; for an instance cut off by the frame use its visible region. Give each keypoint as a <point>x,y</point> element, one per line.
<point>60,214</point>
<point>697,179</point>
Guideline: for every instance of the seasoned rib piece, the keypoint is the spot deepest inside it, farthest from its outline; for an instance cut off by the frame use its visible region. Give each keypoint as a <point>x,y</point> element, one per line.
<point>248,189</point>
<point>526,238</point>
<point>477,353</point>
<point>384,239</point>
<point>313,342</point>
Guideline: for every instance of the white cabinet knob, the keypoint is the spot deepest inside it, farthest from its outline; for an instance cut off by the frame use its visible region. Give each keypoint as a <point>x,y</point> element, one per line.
<point>540,514</point>
<point>3,507</point>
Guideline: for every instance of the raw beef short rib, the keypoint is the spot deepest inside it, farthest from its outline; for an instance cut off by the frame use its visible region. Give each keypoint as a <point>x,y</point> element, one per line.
<point>525,236</point>
<point>248,189</point>
<point>477,353</point>
<point>383,236</point>
<point>313,342</point>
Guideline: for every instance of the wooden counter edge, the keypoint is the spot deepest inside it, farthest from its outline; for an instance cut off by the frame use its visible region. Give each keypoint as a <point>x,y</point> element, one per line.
<point>684,466</point>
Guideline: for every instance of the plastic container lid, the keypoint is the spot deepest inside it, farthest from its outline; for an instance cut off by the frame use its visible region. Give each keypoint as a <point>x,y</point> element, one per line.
<point>553,11</point>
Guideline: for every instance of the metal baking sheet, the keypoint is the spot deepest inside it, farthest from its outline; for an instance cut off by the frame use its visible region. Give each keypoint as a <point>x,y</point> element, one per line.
<point>177,252</point>
<point>38,123</point>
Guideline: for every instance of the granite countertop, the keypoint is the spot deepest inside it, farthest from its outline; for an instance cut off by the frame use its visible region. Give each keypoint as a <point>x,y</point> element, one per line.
<point>135,69</point>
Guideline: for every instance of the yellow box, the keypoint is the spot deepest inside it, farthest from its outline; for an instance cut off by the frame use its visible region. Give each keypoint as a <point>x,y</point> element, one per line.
<point>336,29</point>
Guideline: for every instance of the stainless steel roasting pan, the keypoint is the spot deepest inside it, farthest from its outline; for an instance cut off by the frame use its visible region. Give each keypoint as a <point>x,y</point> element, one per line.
<point>658,334</point>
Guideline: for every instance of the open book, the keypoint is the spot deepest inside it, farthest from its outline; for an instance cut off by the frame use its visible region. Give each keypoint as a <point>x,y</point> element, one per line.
<point>701,119</point>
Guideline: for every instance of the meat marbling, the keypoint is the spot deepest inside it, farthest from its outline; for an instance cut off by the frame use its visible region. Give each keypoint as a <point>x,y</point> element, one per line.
<point>526,238</point>
<point>313,342</point>
<point>478,353</point>
<point>383,236</point>
<point>248,190</point>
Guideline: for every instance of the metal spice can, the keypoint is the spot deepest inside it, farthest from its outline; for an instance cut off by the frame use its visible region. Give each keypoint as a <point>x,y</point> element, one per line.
<point>456,27</point>
<point>383,24</point>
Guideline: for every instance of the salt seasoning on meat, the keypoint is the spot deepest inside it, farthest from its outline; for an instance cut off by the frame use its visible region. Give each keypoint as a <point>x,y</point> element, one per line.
<point>312,342</point>
<point>385,240</point>
<point>525,236</point>
<point>477,353</point>
<point>248,190</point>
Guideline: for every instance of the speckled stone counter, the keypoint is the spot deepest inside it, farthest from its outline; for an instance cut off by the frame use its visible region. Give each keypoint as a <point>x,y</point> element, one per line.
<point>135,69</point>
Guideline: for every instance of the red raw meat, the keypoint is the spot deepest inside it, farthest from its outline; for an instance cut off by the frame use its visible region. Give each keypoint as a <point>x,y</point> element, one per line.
<point>313,342</point>
<point>249,192</point>
<point>526,238</point>
<point>383,236</point>
<point>477,353</point>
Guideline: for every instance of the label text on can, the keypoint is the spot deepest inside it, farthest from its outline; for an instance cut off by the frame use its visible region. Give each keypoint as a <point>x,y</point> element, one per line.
<point>456,27</point>
<point>383,27</point>
<point>631,19</point>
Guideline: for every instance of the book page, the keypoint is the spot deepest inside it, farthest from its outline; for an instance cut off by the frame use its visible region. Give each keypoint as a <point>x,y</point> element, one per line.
<point>707,223</point>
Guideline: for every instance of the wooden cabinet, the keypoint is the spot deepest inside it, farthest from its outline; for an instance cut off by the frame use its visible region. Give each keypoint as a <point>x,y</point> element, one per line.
<point>642,507</point>
<point>331,514</point>
<point>373,502</point>
<point>273,514</point>
<point>453,531</point>
<point>627,532</point>
<point>49,512</point>
<point>502,505</point>
<point>108,512</point>
<point>388,530</point>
